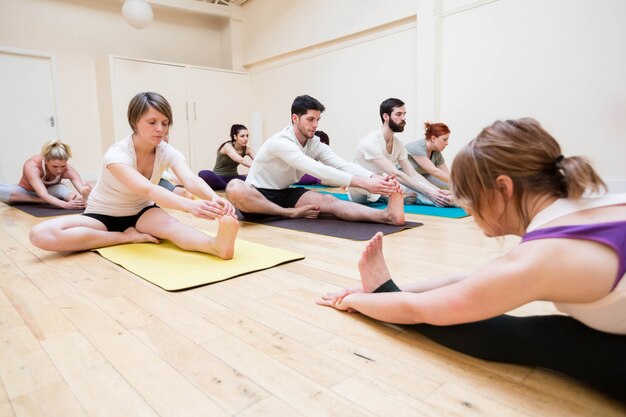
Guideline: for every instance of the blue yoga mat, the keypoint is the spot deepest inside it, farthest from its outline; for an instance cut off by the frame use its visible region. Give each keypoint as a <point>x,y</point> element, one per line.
<point>450,212</point>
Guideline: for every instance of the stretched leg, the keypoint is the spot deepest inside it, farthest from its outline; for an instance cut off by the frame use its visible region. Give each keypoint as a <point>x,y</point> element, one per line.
<point>160,224</point>
<point>215,181</point>
<point>347,210</point>
<point>63,192</point>
<point>76,233</point>
<point>560,343</point>
<point>12,193</point>
<point>247,199</point>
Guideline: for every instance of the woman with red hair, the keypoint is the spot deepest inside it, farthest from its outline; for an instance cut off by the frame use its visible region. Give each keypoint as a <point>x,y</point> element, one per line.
<point>425,154</point>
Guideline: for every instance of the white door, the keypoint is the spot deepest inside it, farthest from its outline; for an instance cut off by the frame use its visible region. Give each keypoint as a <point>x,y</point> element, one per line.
<point>219,100</point>
<point>130,77</point>
<point>27,111</point>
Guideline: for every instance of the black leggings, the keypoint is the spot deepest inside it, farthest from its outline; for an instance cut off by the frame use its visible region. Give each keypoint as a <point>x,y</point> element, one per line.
<point>556,342</point>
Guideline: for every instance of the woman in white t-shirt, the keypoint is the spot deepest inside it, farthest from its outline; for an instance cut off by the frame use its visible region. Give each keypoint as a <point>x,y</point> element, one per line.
<point>125,205</point>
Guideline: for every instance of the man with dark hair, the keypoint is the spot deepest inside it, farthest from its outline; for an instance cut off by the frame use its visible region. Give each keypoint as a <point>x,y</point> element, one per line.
<point>285,157</point>
<point>381,152</point>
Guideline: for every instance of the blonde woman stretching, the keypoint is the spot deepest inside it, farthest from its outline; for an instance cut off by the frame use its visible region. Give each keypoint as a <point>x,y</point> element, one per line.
<point>125,205</point>
<point>514,180</point>
<point>41,180</point>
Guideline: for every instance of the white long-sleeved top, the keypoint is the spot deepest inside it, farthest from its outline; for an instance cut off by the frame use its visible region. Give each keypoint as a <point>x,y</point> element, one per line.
<point>282,161</point>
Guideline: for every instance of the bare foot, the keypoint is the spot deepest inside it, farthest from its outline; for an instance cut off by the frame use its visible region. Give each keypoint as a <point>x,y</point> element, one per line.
<point>372,265</point>
<point>224,242</point>
<point>309,211</point>
<point>394,213</point>
<point>135,236</point>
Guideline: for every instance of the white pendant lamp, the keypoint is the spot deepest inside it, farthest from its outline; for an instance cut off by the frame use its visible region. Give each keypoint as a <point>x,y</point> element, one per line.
<point>137,13</point>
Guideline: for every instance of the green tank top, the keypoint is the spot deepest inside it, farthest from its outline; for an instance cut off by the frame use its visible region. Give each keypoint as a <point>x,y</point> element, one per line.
<point>226,167</point>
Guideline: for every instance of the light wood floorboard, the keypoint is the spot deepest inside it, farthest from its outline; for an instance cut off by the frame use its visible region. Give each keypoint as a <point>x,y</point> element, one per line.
<point>80,336</point>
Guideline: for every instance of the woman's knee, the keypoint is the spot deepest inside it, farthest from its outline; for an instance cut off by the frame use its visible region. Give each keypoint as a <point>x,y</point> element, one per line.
<point>44,236</point>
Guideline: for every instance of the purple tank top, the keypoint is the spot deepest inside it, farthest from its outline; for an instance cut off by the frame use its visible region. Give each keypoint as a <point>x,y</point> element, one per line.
<point>612,234</point>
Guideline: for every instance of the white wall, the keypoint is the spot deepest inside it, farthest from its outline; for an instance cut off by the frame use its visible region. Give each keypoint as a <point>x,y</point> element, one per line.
<point>81,34</point>
<point>275,27</point>
<point>469,63</point>
<point>349,61</point>
<point>562,62</point>
<point>351,80</point>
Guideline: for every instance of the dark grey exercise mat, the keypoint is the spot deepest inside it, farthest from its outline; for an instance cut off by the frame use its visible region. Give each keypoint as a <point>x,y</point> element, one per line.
<point>43,210</point>
<point>331,226</point>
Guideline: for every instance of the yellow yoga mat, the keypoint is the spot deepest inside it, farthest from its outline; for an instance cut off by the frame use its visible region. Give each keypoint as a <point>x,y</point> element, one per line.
<point>172,268</point>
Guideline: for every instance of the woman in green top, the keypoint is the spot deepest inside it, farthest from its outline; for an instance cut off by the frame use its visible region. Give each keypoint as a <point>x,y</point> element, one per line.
<point>425,154</point>
<point>229,155</point>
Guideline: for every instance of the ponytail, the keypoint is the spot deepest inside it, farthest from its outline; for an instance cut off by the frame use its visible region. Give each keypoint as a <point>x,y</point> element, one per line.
<point>55,149</point>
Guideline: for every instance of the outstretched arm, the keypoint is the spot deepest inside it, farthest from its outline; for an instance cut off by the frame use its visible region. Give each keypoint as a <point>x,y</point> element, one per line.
<point>440,172</point>
<point>413,180</point>
<point>32,173</point>
<point>139,184</point>
<point>82,187</point>
<point>229,150</point>
<point>197,186</point>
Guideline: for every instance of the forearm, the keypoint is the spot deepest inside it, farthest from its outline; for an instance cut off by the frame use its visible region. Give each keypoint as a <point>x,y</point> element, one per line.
<point>167,199</point>
<point>396,307</point>
<point>440,174</point>
<point>199,188</point>
<point>416,183</point>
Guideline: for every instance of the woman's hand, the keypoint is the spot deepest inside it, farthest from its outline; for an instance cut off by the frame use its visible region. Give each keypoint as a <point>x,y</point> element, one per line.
<point>335,299</point>
<point>206,209</point>
<point>75,202</point>
<point>227,205</point>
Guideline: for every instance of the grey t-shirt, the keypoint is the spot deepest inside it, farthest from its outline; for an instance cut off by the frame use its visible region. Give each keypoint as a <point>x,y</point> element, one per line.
<point>418,148</point>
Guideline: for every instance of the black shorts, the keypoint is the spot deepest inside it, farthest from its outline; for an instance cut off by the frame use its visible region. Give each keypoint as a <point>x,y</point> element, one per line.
<point>287,198</point>
<point>119,223</point>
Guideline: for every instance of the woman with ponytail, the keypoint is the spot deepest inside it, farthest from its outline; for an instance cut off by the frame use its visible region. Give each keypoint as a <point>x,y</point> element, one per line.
<point>229,155</point>
<point>41,180</point>
<point>515,180</point>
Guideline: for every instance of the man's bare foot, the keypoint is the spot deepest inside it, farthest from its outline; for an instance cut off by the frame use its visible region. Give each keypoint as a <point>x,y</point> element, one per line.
<point>372,265</point>
<point>394,213</point>
<point>309,211</point>
<point>224,242</point>
<point>135,236</point>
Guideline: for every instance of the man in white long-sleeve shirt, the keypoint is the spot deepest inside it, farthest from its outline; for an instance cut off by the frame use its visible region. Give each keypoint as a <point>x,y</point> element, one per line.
<point>285,157</point>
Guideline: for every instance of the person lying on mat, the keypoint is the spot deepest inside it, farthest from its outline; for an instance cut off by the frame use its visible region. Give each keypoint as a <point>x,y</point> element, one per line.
<point>310,179</point>
<point>294,151</point>
<point>230,155</point>
<point>381,151</point>
<point>41,180</point>
<point>170,182</point>
<point>514,180</point>
<point>125,205</point>
<point>425,155</point>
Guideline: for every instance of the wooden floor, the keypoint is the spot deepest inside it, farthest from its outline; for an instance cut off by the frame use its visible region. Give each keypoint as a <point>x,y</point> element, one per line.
<point>80,336</point>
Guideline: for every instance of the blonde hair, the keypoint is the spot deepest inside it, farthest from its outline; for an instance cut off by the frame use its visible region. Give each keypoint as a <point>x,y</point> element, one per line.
<point>55,149</point>
<point>522,150</point>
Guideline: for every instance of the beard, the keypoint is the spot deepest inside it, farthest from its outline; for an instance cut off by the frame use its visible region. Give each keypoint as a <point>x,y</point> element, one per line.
<point>396,127</point>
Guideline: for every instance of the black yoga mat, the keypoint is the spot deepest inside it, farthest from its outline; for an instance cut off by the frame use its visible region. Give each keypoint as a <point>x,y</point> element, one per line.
<point>43,210</point>
<point>331,226</point>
